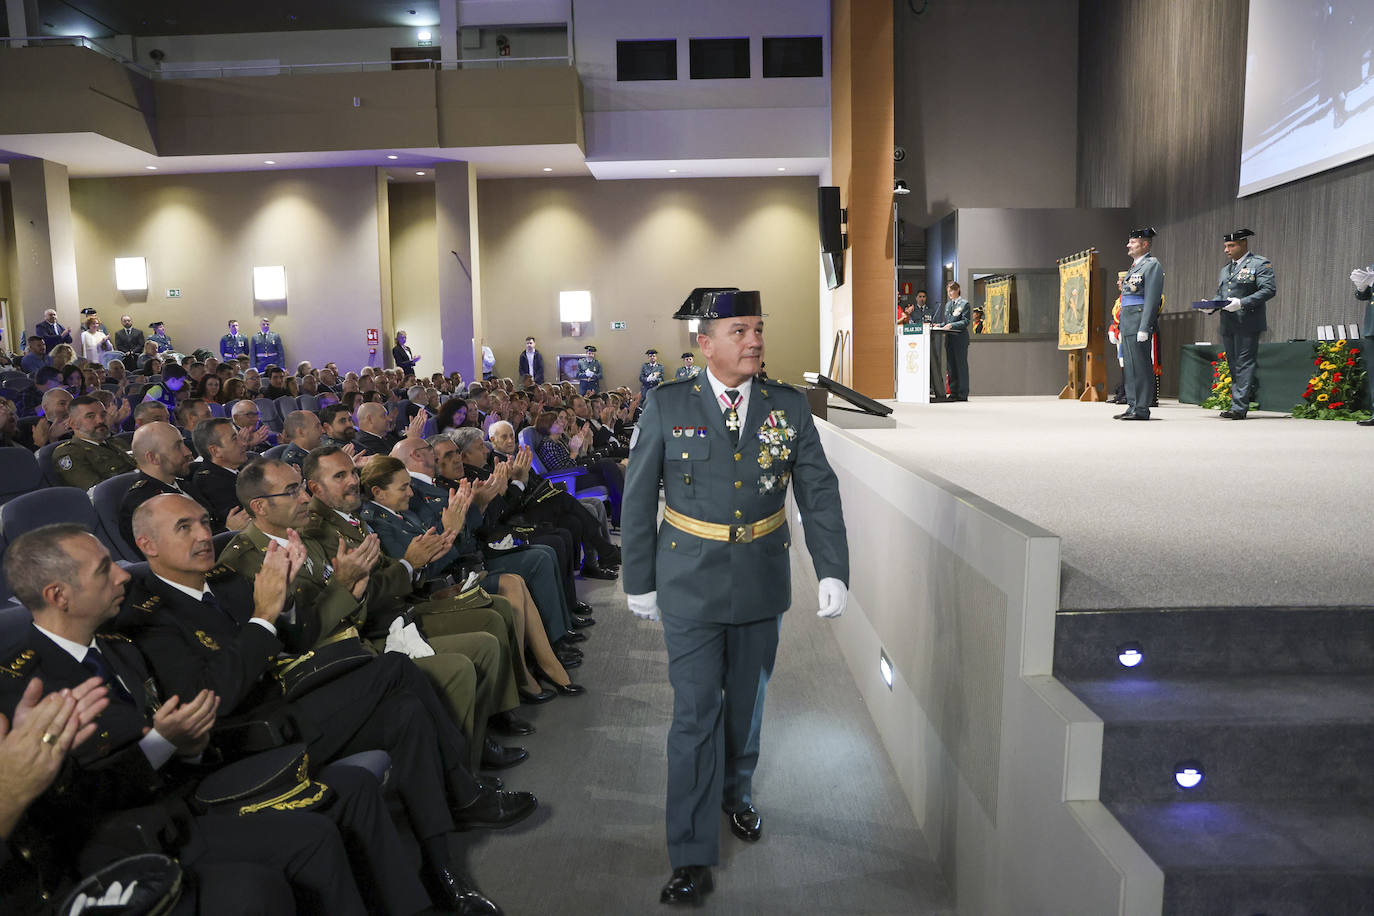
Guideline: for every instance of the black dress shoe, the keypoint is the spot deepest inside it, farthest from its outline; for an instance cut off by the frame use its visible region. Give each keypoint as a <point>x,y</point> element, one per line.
<point>1232,414</point>
<point>1369,422</point>
<point>496,757</point>
<point>568,661</point>
<point>495,810</point>
<point>1122,416</point>
<point>580,623</point>
<point>508,723</point>
<point>583,609</point>
<point>490,783</point>
<point>1134,416</point>
<point>534,699</point>
<point>570,690</point>
<point>597,572</point>
<point>563,647</point>
<point>574,637</point>
<point>454,893</point>
<point>608,557</point>
<point>746,824</point>
<point>689,885</point>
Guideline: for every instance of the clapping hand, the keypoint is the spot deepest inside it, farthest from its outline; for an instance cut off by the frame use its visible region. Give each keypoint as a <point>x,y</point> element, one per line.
<point>521,463</point>
<point>352,452</point>
<point>493,486</point>
<point>428,547</point>
<point>187,725</point>
<point>352,566</point>
<point>270,584</point>
<point>237,519</point>
<point>416,427</point>
<point>33,750</point>
<point>459,501</point>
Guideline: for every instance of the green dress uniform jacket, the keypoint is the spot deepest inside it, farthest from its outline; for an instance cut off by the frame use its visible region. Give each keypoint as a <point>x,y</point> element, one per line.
<point>1366,295</point>
<point>1251,280</point>
<point>650,376</point>
<point>686,372</point>
<point>1142,296</point>
<point>83,463</point>
<point>589,374</point>
<point>681,440</point>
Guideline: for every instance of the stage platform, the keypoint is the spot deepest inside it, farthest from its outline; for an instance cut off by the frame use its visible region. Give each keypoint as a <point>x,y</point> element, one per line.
<point>1186,510</point>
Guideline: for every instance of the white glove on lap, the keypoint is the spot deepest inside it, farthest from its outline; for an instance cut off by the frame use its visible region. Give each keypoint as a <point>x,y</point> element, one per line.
<point>1361,278</point>
<point>832,594</point>
<point>644,606</point>
<point>1232,305</point>
<point>416,645</point>
<point>1113,336</point>
<point>1142,336</point>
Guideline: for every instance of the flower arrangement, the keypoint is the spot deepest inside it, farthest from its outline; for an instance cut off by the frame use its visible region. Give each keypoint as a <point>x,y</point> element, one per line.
<point>1220,398</point>
<point>1336,385</point>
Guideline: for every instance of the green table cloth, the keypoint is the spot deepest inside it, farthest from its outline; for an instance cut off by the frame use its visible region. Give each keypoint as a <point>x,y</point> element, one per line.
<point>1282,370</point>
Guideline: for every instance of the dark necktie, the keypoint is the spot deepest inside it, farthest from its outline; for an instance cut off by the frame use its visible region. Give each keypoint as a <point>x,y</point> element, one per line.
<point>95,663</point>
<point>731,399</point>
<point>208,599</point>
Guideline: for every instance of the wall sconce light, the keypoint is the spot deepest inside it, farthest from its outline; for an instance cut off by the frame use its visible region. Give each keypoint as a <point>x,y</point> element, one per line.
<point>885,668</point>
<point>131,274</point>
<point>574,310</point>
<point>269,284</point>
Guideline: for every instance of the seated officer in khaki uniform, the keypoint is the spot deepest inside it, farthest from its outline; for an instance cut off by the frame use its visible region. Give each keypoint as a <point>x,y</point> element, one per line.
<point>91,455</point>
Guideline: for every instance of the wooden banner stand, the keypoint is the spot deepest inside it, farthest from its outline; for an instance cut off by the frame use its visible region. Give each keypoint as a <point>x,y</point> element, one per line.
<point>1094,354</point>
<point>1074,389</point>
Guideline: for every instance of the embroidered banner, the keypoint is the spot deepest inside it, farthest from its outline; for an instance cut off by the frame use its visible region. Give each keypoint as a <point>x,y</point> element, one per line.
<point>998,302</point>
<point>1074,276</point>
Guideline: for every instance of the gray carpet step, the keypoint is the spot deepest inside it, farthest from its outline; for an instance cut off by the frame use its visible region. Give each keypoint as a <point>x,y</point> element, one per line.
<point>1215,641</point>
<point>1256,737</point>
<point>1277,858</point>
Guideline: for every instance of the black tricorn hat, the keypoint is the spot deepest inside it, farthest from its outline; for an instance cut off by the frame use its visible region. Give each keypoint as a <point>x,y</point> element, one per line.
<point>1238,236</point>
<point>1146,233</point>
<point>727,303</point>
<point>157,324</point>
<point>589,348</point>
<point>650,351</point>
<point>88,311</point>
<point>691,306</point>
<point>688,356</point>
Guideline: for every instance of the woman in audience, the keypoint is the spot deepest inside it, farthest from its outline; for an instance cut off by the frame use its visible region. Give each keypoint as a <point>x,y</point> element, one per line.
<point>232,391</point>
<point>62,354</point>
<point>557,451</point>
<point>74,380</point>
<point>149,356</point>
<point>93,340</point>
<point>452,414</point>
<point>210,388</point>
<point>386,484</point>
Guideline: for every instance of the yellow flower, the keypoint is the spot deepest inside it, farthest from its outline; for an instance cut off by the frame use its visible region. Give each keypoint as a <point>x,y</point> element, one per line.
<point>1313,381</point>
<point>1323,397</point>
<point>1328,366</point>
<point>1340,345</point>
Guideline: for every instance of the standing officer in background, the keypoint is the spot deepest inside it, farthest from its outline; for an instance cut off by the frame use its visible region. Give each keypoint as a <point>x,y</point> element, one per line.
<point>265,348</point>
<point>589,372</point>
<point>1246,283</point>
<point>129,341</point>
<point>1142,294</point>
<point>689,369</point>
<point>650,373</point>
<point>725,445</point>
<point>1363,278</point>
<point>958,314</point>
<point>232,344</point>
<point>50,331</point>
<point>159,337</point>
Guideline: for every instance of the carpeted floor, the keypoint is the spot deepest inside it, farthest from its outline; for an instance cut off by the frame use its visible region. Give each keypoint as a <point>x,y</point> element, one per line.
<point>1185,510</point>
<point>839,836</point>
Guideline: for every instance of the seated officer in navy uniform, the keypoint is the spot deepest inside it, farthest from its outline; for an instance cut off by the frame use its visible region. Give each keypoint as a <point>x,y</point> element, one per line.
<point>1142,295</point>
<point>150,748</point>
<point>1247,283</point>
<point>1363,278</point>
<point>725,445</point>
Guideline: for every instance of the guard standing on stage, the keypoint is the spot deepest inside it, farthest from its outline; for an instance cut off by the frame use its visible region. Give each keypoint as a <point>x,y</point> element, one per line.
<point>725,445</point>
<point>1363,278</point>
<point>232,344</point>
<point>159,336</point>
<point>650,373</point>
<point>689,369</point>
<point>266,348</point>
<point>1142,294</point>
<point>958,314</point>
<point>1246,283</point>
<point>589,372</point>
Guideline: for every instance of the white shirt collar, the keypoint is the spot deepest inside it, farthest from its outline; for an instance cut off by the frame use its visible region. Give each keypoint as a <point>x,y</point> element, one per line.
<point>1139,259</point>
<point>418,476</point>
<point>185,590</point>
<point>718,388</point>
<point>71,647</point>
<point>282,541</point>
<point>386,509</point>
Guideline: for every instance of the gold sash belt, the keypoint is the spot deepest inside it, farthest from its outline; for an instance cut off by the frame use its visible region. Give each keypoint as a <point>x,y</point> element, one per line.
<point>733,534</point>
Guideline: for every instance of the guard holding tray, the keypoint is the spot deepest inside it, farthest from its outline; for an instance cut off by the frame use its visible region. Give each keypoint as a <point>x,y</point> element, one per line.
<point>1246,284</point>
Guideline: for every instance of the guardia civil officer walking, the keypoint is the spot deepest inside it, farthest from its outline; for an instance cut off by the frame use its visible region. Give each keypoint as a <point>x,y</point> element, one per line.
<point>1247,283</point>
<point>725,445</point>
<point>1142,294</point>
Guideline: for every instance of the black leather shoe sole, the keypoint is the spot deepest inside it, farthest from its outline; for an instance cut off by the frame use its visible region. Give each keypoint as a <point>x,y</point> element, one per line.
<point>495,757</point>
<point>746,824</point>
<point>503,723</point>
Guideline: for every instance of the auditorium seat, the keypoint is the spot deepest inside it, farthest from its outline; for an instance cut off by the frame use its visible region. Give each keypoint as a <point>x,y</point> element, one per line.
<point>285,405</point>
<point>14,625</point>
<point>307,402</point>
<point>267,413</point>
<point>19,473</point>
<point>16,381</point>
<point>46,465</point>
<point>47,507</point>
<point>276,451</point>
<point>217,410</point>
<point>529,438</point>
<point>106,497</point>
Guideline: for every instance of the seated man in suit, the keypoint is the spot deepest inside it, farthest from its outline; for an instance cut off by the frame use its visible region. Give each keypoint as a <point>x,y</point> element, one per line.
<point>151,751</point>
<point>374,436</point>
<point>224,451</point>
<point>202,627</point>
<point>247,416</point>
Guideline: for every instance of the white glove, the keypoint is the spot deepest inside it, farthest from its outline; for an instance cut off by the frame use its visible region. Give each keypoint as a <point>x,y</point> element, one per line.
<point>1113,336</point>
<point>1232,305</point>
<point>1361,278</point>
<point>396,637</point>
<point>416,645</point>
<point>644,606</point>
<point>832,595</point>
<point>1142,336</point>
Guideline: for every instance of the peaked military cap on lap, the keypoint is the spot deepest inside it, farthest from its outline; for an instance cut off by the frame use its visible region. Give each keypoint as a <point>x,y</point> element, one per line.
<point>1238,236</point>
<point>1146,233</point>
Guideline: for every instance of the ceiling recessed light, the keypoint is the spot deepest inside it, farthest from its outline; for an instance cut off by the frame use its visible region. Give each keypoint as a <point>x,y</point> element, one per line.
<point>547,169</point>
<point>151,168</point>
<point>782,168</point>
<point>670,171</point>
<point>269,162</point>
<point>419,173</point>
<point>393,156</point>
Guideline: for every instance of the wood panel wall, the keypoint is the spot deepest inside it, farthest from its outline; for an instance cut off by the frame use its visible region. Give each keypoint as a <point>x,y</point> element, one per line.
<point>1161,98</point>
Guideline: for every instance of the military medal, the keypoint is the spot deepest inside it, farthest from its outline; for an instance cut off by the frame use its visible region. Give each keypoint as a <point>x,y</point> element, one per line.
<point>677,432</point>
<point>689,431</point>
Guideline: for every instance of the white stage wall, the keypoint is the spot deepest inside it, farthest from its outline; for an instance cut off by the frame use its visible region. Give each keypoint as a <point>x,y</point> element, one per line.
<point>999,761</point>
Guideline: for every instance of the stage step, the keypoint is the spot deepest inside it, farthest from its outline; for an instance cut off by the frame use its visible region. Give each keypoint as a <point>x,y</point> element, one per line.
<point>1276,858</point>
<point>1276,705</point>
<point>1273,737</point>
<point>1216,641</point>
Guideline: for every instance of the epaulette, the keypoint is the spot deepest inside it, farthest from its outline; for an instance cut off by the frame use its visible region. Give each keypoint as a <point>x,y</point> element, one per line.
<point>674,381</point>
<point>117,636</point>
<point>18,665</point>
<point>149,604</point>
<point>221,572</point>
<point>138,483</point>
<point>776,383</point>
